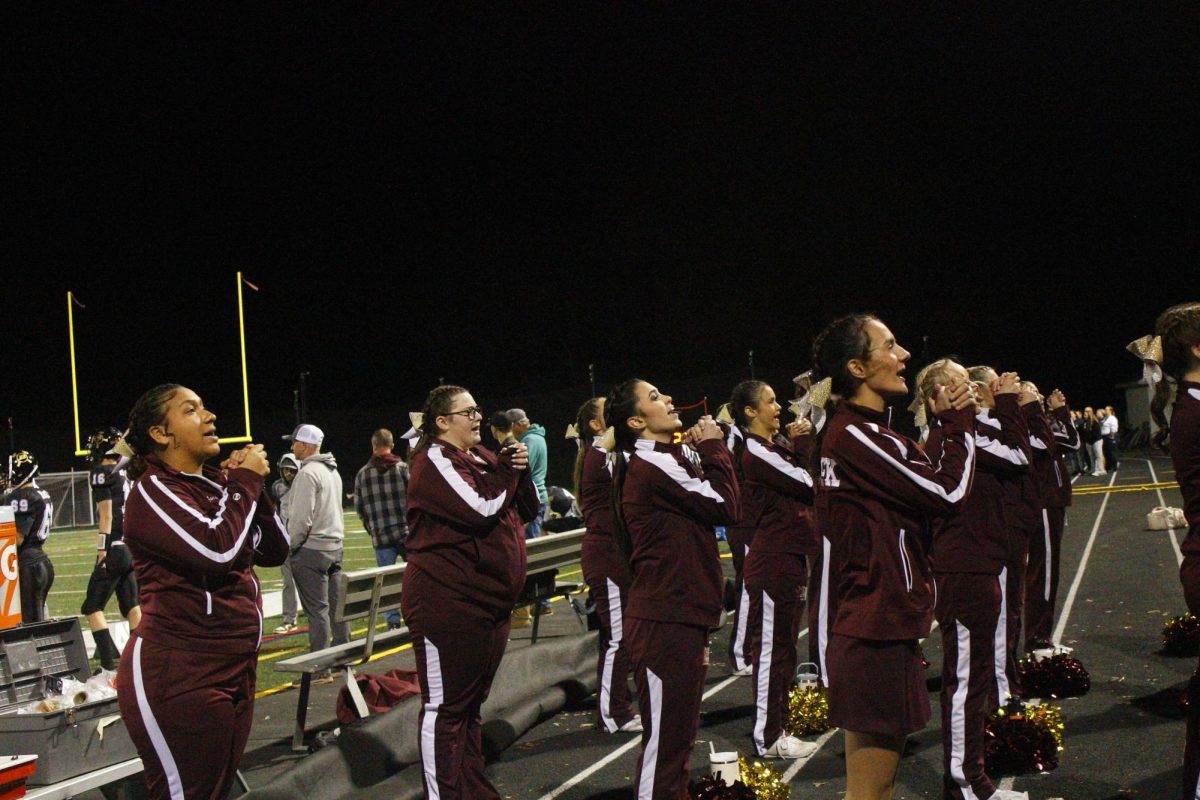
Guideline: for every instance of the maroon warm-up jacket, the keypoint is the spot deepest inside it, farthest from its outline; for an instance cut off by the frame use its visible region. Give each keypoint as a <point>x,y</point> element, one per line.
<point>195,540</point>
<point>776,493</point>
<point>1185,455</point>
<point>1049,444</point>
<point>875,493</point>
<point>599,549</point>
<point>975,537</point>
<point>670,505</point>
<point>466,520</point>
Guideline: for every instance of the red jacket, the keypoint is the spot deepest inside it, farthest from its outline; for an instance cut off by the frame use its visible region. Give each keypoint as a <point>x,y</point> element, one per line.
<point>466,515</point>
<point>599,555</point>
<point>875,494</point>
<point>777,492</point>
<point>975,537</point>
<point>1185,455</point>
<point>195,540</point>
<point>670,506</point>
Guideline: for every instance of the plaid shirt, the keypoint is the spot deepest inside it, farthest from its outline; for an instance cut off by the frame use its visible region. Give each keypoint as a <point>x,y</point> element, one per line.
<point>380,498</point>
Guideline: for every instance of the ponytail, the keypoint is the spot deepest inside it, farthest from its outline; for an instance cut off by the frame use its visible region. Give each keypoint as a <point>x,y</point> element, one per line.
<point>1179,329</point>
<point>621,404</point>
<point>843,339</point>
<point>438,403</point>
<point>587,413</point>
<point>746,393</point>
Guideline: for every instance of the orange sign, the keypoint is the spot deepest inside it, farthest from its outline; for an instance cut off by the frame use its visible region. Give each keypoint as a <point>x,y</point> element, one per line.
<point>10,585</point>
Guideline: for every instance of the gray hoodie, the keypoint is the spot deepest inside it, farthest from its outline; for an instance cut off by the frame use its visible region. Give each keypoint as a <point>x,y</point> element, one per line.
<point>315,505</point>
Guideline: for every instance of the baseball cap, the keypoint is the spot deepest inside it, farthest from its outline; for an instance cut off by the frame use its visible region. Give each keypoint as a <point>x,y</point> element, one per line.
<point>515,414</point>
<point>308,434</point>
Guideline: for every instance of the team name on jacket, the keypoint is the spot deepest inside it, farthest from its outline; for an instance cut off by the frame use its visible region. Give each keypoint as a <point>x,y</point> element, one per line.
<point>465,521</point>
<point>195,540</point>
<point>975,536</point>
<point>670,506</point>
<point>777,492</point>
<point>876,491</point>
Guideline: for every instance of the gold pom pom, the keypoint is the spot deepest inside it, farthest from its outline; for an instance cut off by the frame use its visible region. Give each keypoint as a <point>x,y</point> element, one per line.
<point>1048,718</point>
<point>765,782</point>
<point>808,711</point>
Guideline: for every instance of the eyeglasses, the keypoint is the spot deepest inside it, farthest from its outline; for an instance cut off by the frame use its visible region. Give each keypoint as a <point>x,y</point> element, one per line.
<point>466,412</point>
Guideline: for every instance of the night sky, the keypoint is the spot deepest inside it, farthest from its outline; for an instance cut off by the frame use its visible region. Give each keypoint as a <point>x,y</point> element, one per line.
<point>499,196</point>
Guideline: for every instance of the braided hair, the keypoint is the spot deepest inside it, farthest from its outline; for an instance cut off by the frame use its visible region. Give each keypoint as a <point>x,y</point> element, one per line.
<point>1179,328</point>
<point>149,410</point>
<point>843,339</point>
<point>437,404</point>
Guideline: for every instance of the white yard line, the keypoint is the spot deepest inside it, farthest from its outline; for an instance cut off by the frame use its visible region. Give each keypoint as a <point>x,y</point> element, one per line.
<point>1162,502</point>
<point>1087,552</point>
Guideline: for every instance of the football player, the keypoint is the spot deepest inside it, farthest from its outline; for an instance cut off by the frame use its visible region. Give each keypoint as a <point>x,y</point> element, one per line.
<point>32,511</point>
<point>113,572</point>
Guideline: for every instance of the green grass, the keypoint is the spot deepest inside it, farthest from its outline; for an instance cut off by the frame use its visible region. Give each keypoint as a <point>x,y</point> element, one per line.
<point>73,552</point>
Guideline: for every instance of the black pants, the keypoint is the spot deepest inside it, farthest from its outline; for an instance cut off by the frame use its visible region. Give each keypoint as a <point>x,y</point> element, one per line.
<point>36,579</point>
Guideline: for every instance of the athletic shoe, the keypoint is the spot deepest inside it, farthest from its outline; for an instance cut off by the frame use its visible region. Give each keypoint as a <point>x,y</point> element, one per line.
<point>1009,794</point>
<point>287,627</point>
<point>634,725</point>
<point>520,617</point>
<point>1063,650</point>
<point>1042,653</point>
<point>790,747</point>
<point>744,671</point>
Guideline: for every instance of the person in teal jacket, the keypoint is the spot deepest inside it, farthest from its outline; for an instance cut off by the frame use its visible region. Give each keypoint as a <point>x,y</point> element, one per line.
<point>534,438</point>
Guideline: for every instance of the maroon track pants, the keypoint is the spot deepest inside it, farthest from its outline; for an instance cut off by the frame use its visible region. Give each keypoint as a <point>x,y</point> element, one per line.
<point>820,610</point>
<point>456,664</point>
<point>668,659</point>
<point>1041,579</point>
<point>189,715</point>
<point>739,636</point>
<point>973,633</point>
<point>614,701</point>
<point>1189,576</point>
<point>775,582</point>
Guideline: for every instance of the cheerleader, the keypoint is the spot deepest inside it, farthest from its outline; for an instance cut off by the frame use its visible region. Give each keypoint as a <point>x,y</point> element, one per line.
<point>875,492</point>
<point>969,551</point>
<point>666,499</point>
<point>775,490</point>
<point>1049,437</point>
<point>1174,352</point>
<point>1004,453</point>
<point>467,510</point>
<point>605,570</point>
<point>186,681</point>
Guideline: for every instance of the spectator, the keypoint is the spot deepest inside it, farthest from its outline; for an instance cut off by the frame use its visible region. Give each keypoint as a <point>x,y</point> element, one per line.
<point>534,438</point>
<point>380,498</point>
<point>288,467</point>
<point>502,430</point>
<point>317,532</point>
<point>1091,440</point>
<point>1109,429</point>
<point>112,572</point>
<point>32,512</point>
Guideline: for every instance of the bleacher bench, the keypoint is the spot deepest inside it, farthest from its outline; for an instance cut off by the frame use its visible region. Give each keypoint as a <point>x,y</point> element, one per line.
<point>365,594</point>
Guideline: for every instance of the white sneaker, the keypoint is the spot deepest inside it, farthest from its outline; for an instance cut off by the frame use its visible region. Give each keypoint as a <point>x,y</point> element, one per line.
<point>1042,652</point>
<point>634,725</point>
<point>1009,794</point>
<point>744,671</point>
<point>1063,650</point>
<point>790,747</point>
<point>286,627</point>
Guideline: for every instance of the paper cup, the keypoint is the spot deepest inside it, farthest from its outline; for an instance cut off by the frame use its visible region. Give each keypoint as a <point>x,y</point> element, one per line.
<point>725,766</point>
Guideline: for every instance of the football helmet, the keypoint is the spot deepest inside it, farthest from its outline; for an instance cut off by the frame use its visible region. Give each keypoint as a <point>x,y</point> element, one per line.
<point>102,441</point>
<point>22,466</point>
